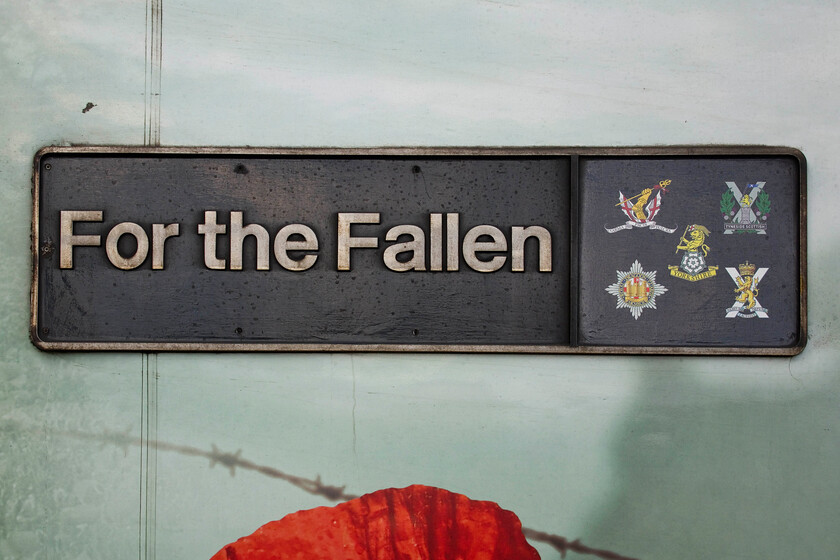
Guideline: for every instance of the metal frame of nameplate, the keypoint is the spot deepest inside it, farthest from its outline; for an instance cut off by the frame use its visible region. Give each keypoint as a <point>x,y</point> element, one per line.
<point>42,249</point>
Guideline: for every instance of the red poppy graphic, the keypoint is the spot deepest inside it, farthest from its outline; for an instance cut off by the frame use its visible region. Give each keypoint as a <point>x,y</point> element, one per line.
<point>413,523</point>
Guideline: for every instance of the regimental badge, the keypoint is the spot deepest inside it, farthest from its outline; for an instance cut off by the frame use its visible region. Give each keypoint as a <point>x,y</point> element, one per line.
<point>747,212</point>
<point>636,290</point>
<point>746,305</point>
<point>641,209</point>
<point>693,266</point>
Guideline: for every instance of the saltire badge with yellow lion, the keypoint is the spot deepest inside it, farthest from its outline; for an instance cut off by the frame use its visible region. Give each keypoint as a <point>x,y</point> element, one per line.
<point>641,209</point>
<point>693,266</point>
<point>636,289</point>
<point>746,304</point>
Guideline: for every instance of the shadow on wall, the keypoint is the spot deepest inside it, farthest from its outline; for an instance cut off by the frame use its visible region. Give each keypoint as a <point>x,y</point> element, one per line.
<point>734,457</point>
<point>727,464</point>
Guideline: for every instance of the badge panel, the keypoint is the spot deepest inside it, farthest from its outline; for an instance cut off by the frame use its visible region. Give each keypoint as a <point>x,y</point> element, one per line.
<point>691,221</point>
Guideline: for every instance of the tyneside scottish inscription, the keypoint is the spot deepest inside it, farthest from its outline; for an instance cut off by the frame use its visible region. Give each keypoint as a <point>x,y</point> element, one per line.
<point>489,250</point>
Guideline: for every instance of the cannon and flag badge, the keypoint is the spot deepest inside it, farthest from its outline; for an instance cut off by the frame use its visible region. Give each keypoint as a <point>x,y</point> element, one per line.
<point>641,209</point>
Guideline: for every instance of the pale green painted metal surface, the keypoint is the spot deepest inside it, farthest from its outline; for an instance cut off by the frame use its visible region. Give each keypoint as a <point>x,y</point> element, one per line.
<point>648,457</point>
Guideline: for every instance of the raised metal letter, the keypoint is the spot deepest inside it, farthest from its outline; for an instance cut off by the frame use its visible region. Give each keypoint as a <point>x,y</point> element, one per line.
<point>472,246</point>
<point>282,245</point>
<point>127,228</point>
<point>345,242</point>
<point>67,240</point>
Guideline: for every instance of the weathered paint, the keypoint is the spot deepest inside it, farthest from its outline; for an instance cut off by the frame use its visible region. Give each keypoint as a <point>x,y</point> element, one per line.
<point>652,457</point>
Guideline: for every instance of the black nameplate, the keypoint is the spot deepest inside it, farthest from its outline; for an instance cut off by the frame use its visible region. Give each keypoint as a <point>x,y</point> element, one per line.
<point>492,250</point>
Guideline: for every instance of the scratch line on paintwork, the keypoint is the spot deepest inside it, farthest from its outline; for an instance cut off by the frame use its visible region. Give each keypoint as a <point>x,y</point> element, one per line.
<point>353,413</point>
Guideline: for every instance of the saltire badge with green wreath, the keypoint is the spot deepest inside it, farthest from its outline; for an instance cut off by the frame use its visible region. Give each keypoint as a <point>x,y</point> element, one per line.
<point>745,212</point>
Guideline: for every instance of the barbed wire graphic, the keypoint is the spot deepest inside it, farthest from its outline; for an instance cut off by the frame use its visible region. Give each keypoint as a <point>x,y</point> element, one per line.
<point>231,461</point>
<point>314,486</point>
<point>563,545</point>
